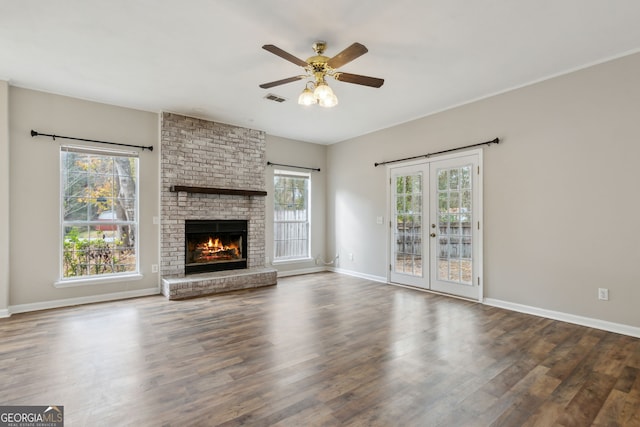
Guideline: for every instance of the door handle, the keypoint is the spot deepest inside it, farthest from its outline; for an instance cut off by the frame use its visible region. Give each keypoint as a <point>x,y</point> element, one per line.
<point>433,234</point>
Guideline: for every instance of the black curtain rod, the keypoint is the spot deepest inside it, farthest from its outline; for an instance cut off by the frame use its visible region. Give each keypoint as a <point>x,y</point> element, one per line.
<point>34,133</point>
<point>493,141</point>
<point>291,166</point>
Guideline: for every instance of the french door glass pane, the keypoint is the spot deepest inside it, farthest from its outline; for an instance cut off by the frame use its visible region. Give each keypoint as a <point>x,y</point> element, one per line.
<point>408,224</point>
<point>455,212</point>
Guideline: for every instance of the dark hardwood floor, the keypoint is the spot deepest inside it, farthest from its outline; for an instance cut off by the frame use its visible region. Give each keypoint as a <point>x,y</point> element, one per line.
<point>322,349</point>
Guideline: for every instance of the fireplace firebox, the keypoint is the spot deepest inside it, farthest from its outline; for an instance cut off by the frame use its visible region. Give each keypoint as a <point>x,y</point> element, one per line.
<point>215,245</point>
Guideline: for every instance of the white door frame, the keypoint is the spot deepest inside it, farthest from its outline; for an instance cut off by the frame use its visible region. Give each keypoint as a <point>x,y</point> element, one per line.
<point>478,219</point>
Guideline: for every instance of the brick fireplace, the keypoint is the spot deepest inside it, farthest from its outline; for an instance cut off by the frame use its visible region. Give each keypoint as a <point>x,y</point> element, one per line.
<point>211,171</point>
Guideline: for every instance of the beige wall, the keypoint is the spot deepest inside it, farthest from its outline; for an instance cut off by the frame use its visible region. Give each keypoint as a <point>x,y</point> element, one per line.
<point>4,198</point>
<point>560,192</point>
<point>35,189</point>
<point>286,151</point>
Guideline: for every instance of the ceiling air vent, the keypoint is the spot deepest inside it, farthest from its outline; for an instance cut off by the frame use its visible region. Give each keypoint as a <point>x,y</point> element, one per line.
<point>276,98</point>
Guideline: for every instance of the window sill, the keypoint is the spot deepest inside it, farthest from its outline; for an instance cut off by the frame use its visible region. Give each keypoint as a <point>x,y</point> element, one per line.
<point>88,281</point>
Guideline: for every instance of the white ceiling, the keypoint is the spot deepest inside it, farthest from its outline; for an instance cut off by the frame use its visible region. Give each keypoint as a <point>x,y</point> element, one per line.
<point>203,58</point>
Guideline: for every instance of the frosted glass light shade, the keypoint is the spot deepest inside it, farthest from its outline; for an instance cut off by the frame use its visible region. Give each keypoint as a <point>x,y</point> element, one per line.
<point>322,91</point>
<point>329,102</point>
<point>306,97</point>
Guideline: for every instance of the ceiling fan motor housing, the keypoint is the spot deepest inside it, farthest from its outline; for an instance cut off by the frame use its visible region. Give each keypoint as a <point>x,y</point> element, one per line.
<point>318,63</point>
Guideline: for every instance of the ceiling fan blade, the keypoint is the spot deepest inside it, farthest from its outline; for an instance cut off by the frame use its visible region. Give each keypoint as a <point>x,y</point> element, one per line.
<point>281,82</point>
<point>347,55</point>
<point>359,80</point>
<point>285,55</point>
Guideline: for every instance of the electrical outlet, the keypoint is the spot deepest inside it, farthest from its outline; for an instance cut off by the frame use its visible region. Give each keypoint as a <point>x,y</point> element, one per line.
<point>603,294</point>
<point>154,268</point>
<point>350,257</point>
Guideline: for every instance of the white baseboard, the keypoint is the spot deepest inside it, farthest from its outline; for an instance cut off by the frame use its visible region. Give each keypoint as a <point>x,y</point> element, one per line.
<point>46,305</point>
<point>357,274</point>
<point>300,271</point>
<point>618,328</point>
<point>5,313</point>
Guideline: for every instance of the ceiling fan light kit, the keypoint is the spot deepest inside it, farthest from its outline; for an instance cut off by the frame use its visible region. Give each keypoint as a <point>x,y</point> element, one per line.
<point>316,90</point>
<point>321,94</point>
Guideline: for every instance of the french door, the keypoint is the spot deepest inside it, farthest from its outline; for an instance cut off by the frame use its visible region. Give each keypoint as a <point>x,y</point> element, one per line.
<point>435,213</point>
<point>408,206</point>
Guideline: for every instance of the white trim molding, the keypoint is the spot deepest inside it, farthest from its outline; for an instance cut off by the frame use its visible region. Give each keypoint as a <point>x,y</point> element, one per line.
<point>604,325</point>
<point>5,198</point>
<point>371,277</point>
<point>298,272</point>
<point>97,280</point>
<point>46,305</point>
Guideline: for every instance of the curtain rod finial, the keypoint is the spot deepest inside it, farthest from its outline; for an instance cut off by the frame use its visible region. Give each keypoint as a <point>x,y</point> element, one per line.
<point>33,133</point>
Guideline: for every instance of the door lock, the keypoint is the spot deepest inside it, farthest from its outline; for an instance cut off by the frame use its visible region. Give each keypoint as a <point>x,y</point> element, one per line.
<point>433,234</point>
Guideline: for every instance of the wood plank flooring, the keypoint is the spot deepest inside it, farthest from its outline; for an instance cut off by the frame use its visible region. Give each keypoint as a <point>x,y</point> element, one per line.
<point>317,350</point>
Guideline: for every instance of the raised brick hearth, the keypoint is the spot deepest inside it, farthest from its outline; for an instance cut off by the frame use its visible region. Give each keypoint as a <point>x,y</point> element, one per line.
<point>200,153</point>
<point>196,285</point>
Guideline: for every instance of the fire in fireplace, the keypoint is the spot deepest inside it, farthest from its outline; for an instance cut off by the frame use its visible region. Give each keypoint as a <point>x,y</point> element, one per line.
<point>214,245</point>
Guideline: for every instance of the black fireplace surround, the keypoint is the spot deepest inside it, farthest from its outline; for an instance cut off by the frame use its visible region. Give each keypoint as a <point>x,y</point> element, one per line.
<point>215,245</point>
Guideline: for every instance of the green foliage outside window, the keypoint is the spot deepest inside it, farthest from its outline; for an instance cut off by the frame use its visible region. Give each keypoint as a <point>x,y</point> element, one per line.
<point>83,257</point>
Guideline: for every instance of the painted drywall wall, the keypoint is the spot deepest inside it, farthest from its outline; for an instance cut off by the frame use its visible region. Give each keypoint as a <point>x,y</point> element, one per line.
<point>296,153</point>
<point>4,198</point>
<point>35,189</point>
<point>560,191</point>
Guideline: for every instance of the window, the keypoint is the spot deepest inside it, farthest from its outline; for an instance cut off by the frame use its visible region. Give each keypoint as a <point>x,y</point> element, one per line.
<point>99,204</point>
<point>291,215</point>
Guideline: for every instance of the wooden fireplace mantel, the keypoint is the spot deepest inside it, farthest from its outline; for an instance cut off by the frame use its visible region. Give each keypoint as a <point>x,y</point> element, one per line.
<point>211,190</point>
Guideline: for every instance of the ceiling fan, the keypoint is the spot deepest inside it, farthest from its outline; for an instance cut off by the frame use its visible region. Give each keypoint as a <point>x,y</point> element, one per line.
<point>317,68</point>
